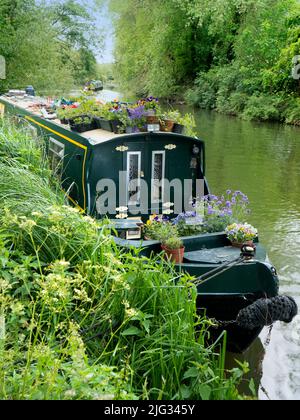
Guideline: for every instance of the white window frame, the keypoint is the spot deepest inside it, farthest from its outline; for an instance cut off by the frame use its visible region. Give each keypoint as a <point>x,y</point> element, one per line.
<point>58,143</point>
<point>61,154</point>
<point>129,154</point>
<point>163,153</point>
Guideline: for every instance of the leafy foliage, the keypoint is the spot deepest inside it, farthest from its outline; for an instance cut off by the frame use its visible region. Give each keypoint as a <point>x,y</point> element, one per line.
<point>48,46</point>
<point>234,56</point>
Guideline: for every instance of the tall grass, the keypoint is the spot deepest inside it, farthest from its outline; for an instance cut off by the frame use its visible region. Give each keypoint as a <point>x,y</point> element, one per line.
<point>86,320</point>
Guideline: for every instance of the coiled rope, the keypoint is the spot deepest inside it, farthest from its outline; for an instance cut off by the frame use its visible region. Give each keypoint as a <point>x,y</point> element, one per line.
<point>264,312</point>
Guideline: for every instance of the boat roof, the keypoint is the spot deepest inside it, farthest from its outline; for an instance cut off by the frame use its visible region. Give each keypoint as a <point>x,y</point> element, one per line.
<point>37,107</point>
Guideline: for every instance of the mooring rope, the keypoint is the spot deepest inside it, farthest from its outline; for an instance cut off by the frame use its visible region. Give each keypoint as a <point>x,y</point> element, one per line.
<point>265,312</point>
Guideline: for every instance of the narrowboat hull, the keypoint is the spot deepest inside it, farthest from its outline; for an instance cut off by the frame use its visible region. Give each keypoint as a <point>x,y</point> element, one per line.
<point>223,296</point>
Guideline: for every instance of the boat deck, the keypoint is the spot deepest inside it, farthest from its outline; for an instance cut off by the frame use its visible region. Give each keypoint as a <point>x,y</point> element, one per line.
<point>37,107</point>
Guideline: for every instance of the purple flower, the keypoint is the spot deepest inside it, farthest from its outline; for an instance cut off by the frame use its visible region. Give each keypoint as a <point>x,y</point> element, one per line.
<point>190,214</point>
<point>228,204</point>
<point>228,192</point>
<point>210,210</point>
<point>245,199</point>
<point>136,113</point>
<point>213,197</point>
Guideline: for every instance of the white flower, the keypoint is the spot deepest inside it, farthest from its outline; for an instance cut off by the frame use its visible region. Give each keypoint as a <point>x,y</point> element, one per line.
<point>122,216</point>
<point>168,212</point>
<point>70,394</point>
<point>27,224</point>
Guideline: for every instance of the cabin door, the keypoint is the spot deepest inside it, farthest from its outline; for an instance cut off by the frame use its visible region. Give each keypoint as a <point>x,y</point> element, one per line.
<point>136,173</point>
<point>145,168</point>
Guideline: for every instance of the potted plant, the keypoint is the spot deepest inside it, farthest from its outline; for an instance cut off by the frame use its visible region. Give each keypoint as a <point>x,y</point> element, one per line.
<point>82,124</point>
<point>102,116</point>
<point>174,249</point>
<point>151,106</point>
<point>137,117</point>
<point>167,120</point>
<point>188,123</point>
<point>241,234</point>
<point>69,113</point>
<point>61,115</point>
<point>127,122</point>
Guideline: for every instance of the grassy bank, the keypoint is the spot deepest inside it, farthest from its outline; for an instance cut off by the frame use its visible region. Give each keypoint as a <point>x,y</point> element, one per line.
<point>83,319</point>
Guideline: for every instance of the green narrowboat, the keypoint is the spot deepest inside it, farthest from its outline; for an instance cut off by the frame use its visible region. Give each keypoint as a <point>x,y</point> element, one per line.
<point>91,162</point>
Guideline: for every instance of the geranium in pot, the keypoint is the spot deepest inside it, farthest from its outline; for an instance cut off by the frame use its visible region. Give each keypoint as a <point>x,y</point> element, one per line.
<point>241,234</point>
<point>174,249</point>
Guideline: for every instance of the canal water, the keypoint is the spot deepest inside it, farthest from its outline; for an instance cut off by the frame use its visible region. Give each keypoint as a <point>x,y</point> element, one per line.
<point>263,161</point>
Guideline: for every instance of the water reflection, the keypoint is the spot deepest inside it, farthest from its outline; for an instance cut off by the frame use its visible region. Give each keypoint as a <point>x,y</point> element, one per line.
<point>254,356</point>
<point>263,160</point>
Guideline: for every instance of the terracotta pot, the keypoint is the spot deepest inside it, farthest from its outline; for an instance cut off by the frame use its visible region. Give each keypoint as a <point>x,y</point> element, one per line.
<point>152,120</point>
<point>175,255</point>
<point>167,125</point>
<point>240,244</point>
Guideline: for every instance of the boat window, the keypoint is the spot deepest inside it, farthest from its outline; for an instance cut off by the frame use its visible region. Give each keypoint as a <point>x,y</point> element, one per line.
<point>134,177</point>
<point>56,155</point>
<point>158,175</point>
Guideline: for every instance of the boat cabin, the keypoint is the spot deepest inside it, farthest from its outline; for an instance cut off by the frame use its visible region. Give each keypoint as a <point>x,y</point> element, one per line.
<point>119,175</point>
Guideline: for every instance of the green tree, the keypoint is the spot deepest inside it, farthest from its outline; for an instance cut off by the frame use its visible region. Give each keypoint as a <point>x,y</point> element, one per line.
<point>50,47</point>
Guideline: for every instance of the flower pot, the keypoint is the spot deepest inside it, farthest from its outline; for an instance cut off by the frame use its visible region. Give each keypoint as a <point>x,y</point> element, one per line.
<point>79,118</point>
<point>82,128</point>
<point>105,124</point>
<point>175,255</point>
<point>117,126</point>
<point>152,119</point>
<point>178,128</point>
<point>167,126</point>
<point>97,121</point>
<point>241,244</point>
<point>129,130</point>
